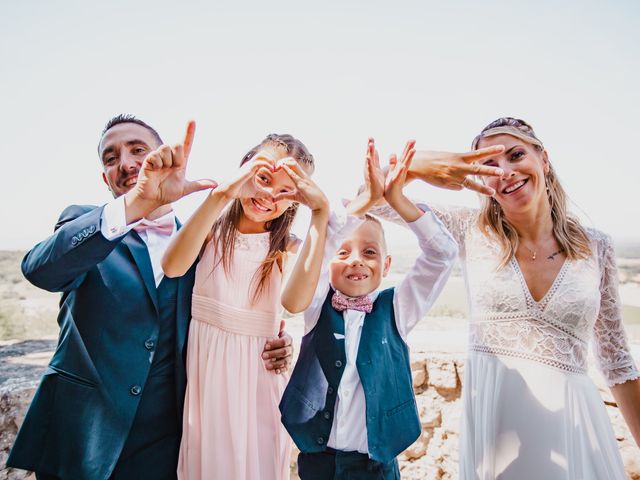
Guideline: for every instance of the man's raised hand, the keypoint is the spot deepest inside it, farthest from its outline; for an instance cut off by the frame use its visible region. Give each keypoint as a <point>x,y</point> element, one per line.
<point>162,178</point>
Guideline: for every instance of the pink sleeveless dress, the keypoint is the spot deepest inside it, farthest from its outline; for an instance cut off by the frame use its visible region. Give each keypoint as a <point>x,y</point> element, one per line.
<point>231,426</point>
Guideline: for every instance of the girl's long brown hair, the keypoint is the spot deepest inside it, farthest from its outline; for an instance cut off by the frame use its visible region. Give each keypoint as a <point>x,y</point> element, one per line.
<point>569,233</point>
<point>225,229</point>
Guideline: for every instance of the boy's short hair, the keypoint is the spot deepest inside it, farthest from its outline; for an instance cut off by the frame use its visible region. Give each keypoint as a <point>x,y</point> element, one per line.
<point>370,218</point>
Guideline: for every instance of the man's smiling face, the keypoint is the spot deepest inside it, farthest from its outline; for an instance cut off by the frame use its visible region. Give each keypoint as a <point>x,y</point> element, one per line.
<point>122,150</point>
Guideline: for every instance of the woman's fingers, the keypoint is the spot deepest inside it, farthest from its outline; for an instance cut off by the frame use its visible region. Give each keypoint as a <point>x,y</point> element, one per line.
<point>482,170</point>
<point>482,153</point>
<point>477,187</point>
<point>406,161</point>
<point>409,146</point>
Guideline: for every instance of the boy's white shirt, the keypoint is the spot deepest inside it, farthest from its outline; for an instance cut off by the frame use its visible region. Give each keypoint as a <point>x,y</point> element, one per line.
<point>413,297</point>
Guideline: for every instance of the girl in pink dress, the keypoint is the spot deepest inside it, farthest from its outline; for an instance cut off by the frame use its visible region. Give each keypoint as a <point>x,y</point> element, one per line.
<point>241,233</point>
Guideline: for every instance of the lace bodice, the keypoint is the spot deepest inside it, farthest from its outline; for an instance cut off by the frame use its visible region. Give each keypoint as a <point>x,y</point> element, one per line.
<point>582,304</point>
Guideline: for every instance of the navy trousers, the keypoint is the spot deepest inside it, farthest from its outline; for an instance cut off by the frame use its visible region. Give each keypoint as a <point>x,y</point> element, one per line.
<point>337,465</point>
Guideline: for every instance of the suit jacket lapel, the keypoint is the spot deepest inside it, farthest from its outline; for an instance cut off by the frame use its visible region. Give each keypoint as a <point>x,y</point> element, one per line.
<point>140,254</point>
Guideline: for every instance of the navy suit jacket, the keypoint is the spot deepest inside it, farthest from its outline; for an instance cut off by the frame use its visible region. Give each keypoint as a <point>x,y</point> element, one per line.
<point>85,405</point>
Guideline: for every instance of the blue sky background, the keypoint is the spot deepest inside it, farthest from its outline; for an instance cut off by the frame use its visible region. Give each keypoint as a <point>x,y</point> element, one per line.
<point>331,73</point>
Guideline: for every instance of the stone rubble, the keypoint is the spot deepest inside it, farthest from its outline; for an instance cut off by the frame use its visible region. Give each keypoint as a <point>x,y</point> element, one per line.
<point>437,382</point>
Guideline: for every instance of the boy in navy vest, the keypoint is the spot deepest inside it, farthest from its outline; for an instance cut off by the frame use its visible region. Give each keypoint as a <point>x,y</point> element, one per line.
<point>349,405</point>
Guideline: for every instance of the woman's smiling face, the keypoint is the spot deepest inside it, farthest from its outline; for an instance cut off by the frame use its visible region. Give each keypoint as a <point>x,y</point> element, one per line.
<point>523,184</point>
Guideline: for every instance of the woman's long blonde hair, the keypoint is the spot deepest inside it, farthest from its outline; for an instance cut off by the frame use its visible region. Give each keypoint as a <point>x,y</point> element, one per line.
<point>567,230</point>
<point>225,229</point>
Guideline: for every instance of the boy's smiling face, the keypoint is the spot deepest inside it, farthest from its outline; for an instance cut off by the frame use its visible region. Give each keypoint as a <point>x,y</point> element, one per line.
<point>361,261</point>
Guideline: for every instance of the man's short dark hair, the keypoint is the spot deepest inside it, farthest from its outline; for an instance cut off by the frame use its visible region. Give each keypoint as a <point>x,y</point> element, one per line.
<point>128,118</point>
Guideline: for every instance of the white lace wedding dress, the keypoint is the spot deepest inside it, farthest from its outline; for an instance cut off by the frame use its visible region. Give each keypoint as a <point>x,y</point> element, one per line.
<point>530,410</point>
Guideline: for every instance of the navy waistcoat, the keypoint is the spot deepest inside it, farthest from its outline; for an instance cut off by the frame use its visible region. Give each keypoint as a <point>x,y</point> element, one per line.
<point>308,402</point>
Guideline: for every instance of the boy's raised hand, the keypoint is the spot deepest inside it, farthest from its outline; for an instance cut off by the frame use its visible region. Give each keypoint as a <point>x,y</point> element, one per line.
<point>373,176</point>
<point>397,174</point>
<point>373,188</point>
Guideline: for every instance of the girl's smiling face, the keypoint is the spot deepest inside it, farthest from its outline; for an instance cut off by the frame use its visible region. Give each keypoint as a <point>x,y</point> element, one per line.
<point>259,206</point>
<point>523,184</point>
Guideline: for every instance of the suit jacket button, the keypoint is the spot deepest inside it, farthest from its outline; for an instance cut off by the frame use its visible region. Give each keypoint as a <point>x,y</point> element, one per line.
<point>327,415</point>
<point>149,344</point>
<point>92,229</point>
<point>136,390</point>
<point>320,440</point>
<point>338,363</point>
<point>74,241</point>
<point>330,390</point>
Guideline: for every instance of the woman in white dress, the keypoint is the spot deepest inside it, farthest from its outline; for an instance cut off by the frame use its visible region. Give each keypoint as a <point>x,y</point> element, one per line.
<point>540,288</point>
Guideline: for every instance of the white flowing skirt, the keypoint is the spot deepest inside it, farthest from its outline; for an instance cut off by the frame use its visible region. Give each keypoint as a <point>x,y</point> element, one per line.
<point>523,420</point>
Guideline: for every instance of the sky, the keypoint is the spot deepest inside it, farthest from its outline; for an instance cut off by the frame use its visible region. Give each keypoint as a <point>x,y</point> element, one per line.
<point>331,73</point>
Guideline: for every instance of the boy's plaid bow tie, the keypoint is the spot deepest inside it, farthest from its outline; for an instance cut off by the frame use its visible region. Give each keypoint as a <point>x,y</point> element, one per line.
<point>342,303</point>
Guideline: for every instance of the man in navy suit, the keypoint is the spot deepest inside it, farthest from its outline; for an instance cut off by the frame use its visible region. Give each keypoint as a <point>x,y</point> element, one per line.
<point>110,402</point>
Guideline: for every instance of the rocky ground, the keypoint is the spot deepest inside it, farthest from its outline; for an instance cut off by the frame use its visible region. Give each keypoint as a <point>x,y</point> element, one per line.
<point>437,381</point>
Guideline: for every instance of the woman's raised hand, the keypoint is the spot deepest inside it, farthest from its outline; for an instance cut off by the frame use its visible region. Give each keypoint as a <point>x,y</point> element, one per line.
<point>453,171</point>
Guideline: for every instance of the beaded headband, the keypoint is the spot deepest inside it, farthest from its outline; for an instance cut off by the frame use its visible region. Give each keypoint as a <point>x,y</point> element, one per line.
<point>506,130</point>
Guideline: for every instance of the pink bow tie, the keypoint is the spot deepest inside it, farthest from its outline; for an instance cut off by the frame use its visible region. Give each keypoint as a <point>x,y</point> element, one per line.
<point>162,226</point>
<point>342,303</point>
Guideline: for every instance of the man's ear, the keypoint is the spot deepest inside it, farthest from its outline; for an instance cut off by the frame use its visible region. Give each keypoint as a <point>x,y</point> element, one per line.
<point>387,265</point>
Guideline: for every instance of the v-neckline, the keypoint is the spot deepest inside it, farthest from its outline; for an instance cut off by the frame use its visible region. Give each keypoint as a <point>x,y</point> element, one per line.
<point>544,301</point>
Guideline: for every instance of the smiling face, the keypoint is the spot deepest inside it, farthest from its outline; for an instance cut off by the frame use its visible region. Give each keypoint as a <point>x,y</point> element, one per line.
<point>361,261</point>
<point>522,186</point>
<point>122,150</point>
<point>260,208</point>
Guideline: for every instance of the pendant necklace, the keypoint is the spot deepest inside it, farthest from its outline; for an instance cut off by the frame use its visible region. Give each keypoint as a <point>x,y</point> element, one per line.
<point>534,253</point>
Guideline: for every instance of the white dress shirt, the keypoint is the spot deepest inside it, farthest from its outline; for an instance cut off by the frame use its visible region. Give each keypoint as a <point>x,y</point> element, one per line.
<point>413,297</point>
<point>114,225</point>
